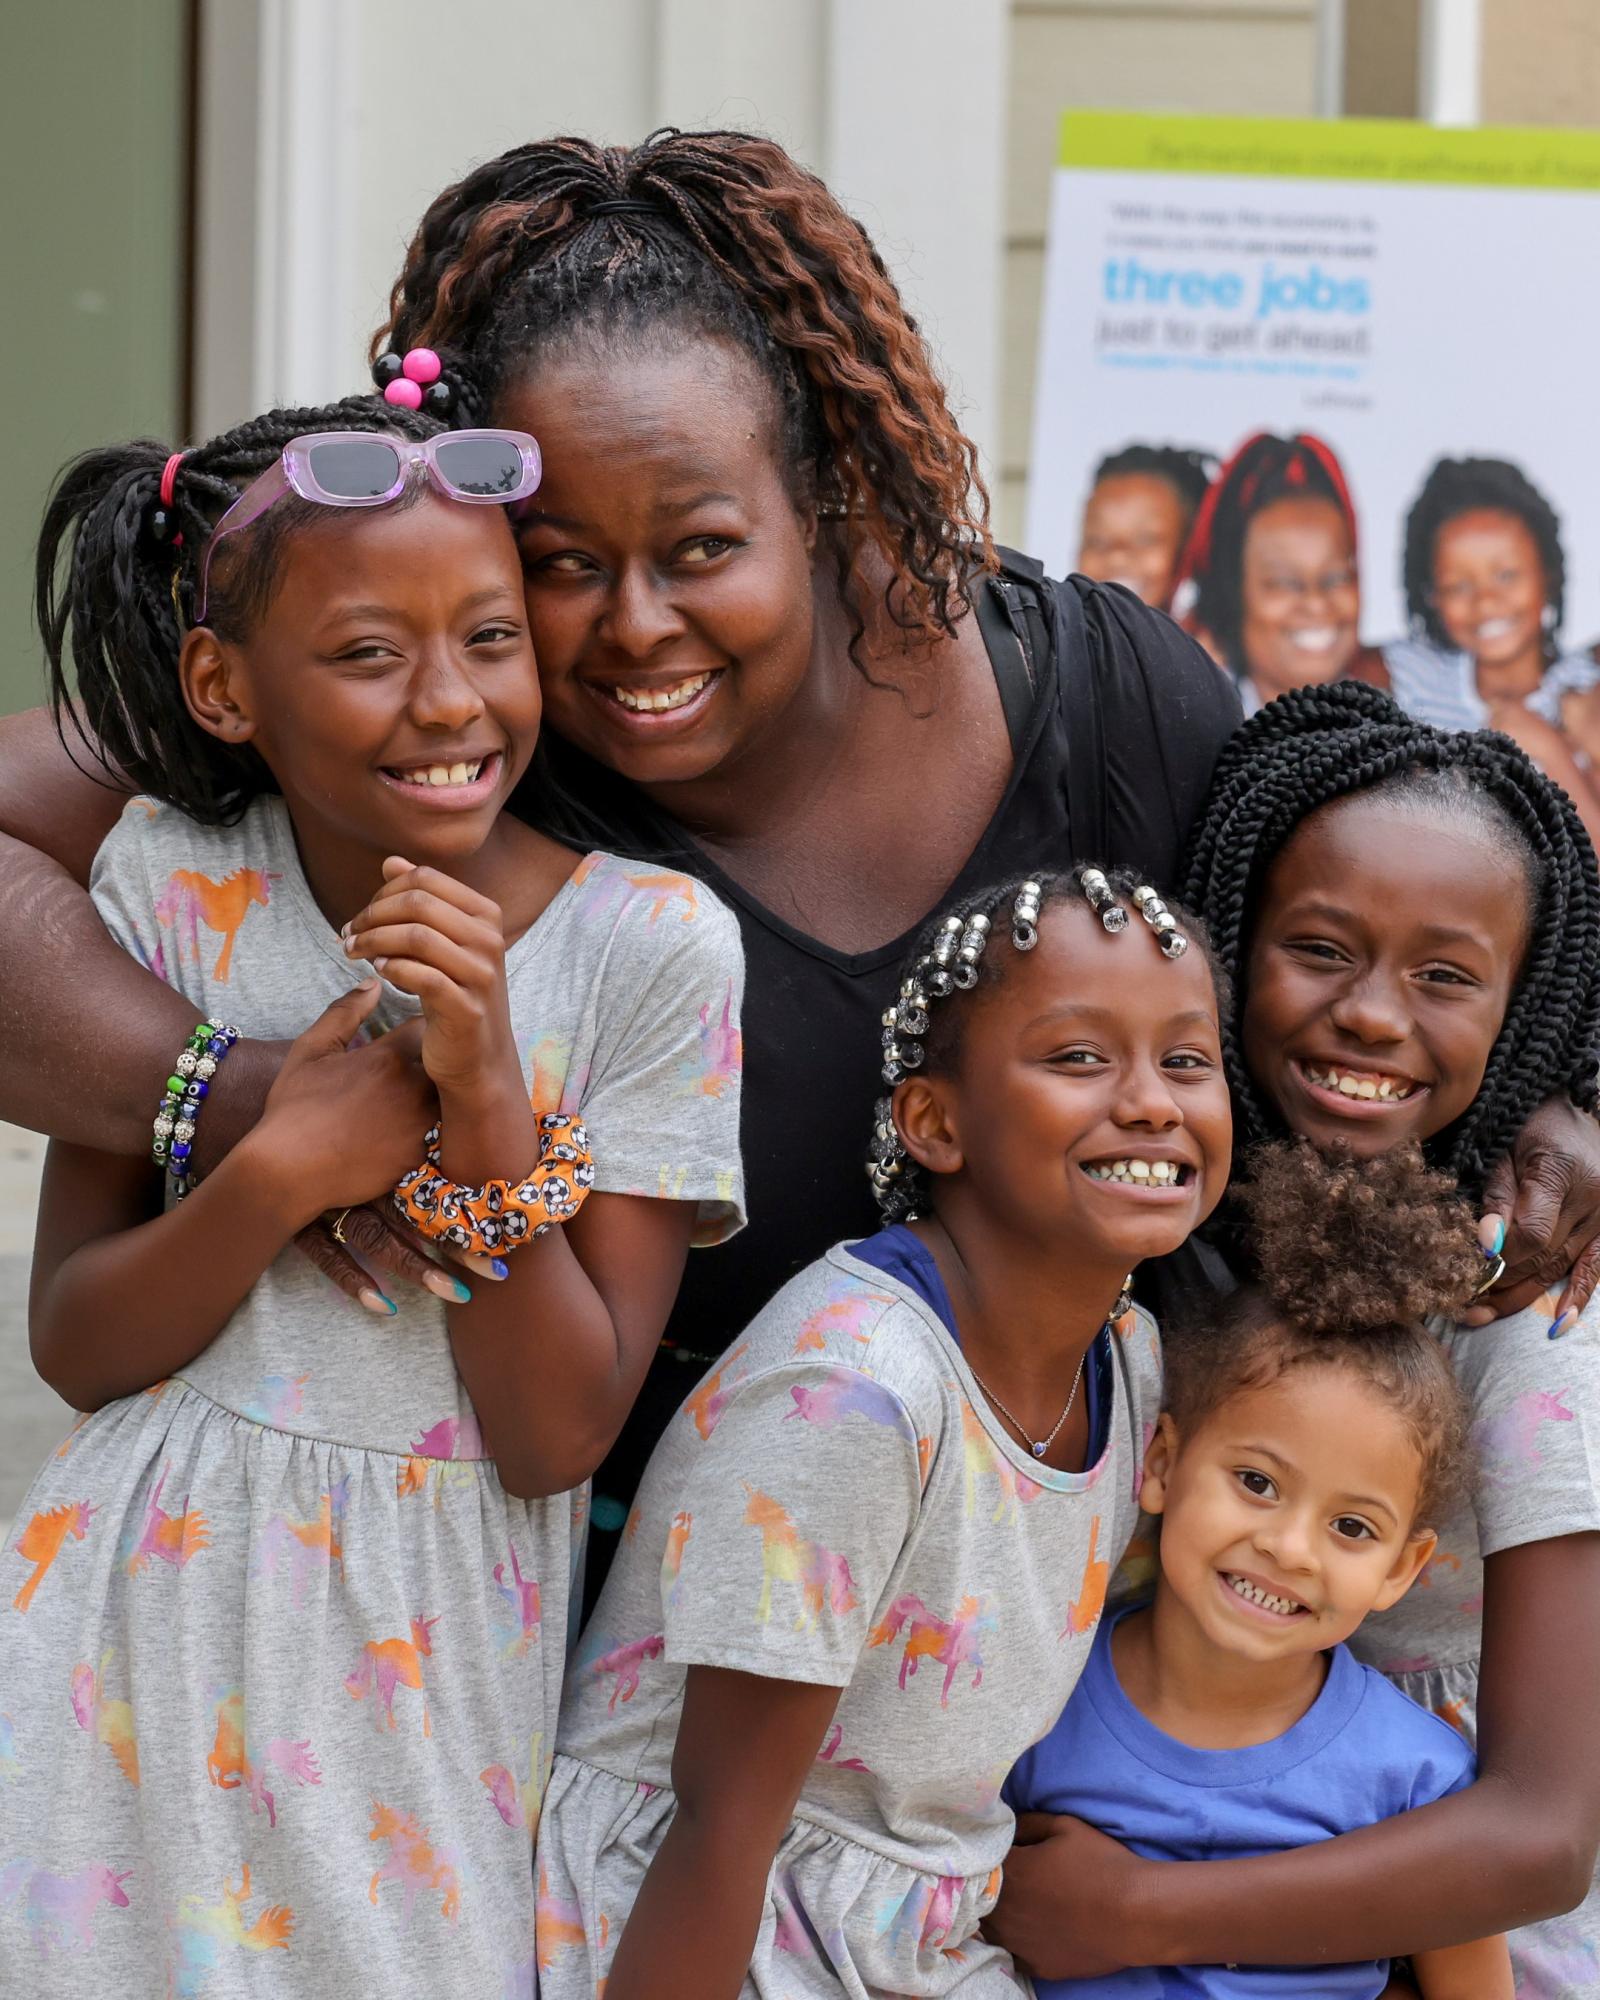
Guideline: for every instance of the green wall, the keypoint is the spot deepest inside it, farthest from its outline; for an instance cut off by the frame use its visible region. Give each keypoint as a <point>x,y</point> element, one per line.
<point>93,125</point>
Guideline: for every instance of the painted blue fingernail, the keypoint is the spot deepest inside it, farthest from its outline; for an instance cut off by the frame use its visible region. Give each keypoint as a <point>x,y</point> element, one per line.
<point>388,1302</point>
<point>1499,1236</point>
<point>500,1267</point>
<point>1559,1326</point>
<point>463,1292</point>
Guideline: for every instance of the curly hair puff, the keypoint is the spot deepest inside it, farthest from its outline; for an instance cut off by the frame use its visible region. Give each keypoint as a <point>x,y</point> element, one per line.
<point>1350,1258</point>
<point>1318,744</point>
<point>716,235</point>
<point>1457,486</point>
<point>128,595</point>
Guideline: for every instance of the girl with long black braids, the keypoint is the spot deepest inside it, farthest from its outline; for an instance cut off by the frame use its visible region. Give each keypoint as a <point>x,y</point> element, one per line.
<point>1413,922</point>
<point>1269,580</point>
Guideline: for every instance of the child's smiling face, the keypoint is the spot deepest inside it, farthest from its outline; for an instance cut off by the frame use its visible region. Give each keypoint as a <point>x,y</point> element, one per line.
<point>1388,943</point>
<point>1287,1513</point>
<point>1092,1051</point>
<point>1489,585</point>
<point>394,649</point>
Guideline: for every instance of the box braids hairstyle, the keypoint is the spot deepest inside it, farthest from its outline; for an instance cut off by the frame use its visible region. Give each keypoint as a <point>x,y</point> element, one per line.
<point>923,1030</point>
<point>125,594</point>
<point>1457,486</point>
<point>1210,581</point>
<point>1318,744</point>
<point>564,246</point>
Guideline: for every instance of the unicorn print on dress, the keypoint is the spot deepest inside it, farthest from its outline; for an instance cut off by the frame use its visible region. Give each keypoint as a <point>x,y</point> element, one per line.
<point>110,1722</point>
<point>205,1932</point>
<point>980,1461</point>
<point>624,1664</point>
<point>951,1643</point>
<point>670,895</point>
<point>672,1557</point>
<point>557,1925</point>
<point>822,1576</point>
<point>516,1609</point>
<point>415,1864</point>
<point>236,1764</point>
<point>308,1547</point>
<point>829,1753</point>
<point>1508,1445</point>
<point>60,1909</point>
<point>277,1399</point>
<point>709,1401</point>
<point>450,1439</point>
<point>850,1312</point>
<point>1083,1614</point>
<point>43,1539</point>
<point>191,899</point>
<point>388,1664</point>
<point>518,1804</point>
<point>842,1393</point>
<point>719,1057</point>
<point>174,1539</point>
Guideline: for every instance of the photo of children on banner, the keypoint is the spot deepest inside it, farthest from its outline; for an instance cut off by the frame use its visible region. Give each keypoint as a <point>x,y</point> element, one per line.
<point>1485,584</point>
<point>1269,581</point>
<point>1141,505</point>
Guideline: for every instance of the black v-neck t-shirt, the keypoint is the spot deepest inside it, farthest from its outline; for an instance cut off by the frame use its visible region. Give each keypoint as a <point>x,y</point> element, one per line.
<point>1116,718</point>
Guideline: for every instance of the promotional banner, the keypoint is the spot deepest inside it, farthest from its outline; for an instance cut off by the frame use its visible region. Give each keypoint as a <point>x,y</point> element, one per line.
<point>1410,317</point>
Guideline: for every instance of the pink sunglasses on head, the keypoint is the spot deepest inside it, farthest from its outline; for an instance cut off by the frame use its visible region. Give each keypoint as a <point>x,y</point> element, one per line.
<point>371,468</point>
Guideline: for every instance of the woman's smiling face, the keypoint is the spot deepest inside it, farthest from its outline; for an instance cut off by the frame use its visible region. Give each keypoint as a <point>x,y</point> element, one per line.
<point>1389,939</point>
<point>1301,595</point>
<point>668,566</point>
<point>1489,585</point>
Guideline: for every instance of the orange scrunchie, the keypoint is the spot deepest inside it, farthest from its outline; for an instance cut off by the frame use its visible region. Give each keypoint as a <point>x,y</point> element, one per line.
<point>501,1214</point>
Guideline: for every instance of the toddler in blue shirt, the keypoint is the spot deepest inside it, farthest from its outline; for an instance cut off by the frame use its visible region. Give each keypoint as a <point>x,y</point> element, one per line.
<point>1311,1430</point>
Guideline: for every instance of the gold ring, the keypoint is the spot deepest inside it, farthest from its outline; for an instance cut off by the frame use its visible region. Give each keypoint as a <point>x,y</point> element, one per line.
<point>1495,1272</point>
<point>336,1227</point>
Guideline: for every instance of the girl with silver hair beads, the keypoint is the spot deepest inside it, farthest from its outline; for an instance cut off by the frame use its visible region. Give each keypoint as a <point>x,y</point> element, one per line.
<point>871,1551</point>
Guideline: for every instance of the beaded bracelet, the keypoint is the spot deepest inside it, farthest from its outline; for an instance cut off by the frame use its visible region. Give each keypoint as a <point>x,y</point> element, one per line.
<point>187,1088</point>
<point>501,1214</point>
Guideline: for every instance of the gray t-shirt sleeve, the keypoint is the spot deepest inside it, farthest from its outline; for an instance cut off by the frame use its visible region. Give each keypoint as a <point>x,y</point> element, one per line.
<point>790,1525</point>
<point>121,890</point>
<point>662,1103</point>
<point>1535,1427</point>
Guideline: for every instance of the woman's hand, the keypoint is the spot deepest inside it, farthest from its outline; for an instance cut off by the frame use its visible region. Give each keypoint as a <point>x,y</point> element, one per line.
<point>341,1124</point>
<point>1067,1900</point>
<point>1547,1192</point>
<point>434,938</point>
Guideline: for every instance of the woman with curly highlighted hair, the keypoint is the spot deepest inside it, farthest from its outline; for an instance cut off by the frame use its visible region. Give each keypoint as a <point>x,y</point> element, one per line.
<point>772,632</point>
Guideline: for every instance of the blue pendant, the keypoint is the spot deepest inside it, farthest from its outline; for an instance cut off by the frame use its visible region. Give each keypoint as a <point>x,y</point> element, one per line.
<point>1039,1450</point>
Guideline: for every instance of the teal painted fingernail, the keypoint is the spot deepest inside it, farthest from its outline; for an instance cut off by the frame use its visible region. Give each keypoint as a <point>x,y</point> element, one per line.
<point>463,1292</point>
<point>1499,1237</point>
<point>500,1267</point>
<point>1559,1327</point>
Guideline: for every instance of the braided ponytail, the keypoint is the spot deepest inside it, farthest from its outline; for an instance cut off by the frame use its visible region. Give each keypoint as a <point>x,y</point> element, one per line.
<point>119,584</point>
<point>562,245</point>
<point>1318,744</point>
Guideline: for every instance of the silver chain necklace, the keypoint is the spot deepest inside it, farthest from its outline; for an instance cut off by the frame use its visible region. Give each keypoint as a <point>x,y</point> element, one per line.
<point>1038,1446</point>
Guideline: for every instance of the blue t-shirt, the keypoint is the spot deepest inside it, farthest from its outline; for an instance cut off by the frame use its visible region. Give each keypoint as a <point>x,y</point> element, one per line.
<point>1361,1752</point>
<point>900,1254</point>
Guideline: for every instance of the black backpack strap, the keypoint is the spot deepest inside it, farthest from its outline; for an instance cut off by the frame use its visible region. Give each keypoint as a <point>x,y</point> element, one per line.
<point>1002,621</point>
<point>1078,667</point>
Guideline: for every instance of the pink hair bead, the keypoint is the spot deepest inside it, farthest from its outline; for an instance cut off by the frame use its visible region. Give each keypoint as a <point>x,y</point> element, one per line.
<point>404,392</point>
<point>422,365</point>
